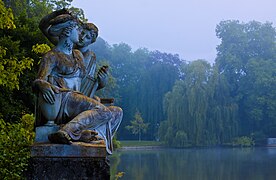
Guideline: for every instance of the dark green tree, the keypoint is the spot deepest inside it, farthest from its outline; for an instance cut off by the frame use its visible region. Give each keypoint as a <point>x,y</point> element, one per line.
<point>246,58</point>
<point>18,46</point>
<point>198,110</point>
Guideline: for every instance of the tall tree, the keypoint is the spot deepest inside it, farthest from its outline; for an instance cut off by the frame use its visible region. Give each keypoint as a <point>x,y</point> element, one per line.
<point>246,57</point>
<point>13,62</point>
<point>137,125</point>
<point>143,77</point>
<point>197,112</point>
<point>239,43</point>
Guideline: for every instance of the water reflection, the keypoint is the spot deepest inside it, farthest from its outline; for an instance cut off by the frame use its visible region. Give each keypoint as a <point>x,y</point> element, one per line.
<point>196,164</point>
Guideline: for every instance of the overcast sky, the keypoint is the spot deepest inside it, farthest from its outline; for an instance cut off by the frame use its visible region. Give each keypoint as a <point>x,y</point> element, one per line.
<point>184,27</point>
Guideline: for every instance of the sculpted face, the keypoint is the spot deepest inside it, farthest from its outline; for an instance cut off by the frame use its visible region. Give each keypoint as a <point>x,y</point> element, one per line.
<point>86,38</point>
<point>74,36</point>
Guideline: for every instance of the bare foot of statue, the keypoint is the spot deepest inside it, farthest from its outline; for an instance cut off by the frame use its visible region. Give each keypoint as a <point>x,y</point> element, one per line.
<point>60,137</point>
<point>88,135</point>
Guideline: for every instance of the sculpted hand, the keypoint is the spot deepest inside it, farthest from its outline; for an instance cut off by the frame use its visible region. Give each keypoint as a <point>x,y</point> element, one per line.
<point>103,76</point>
<point>48,92</point>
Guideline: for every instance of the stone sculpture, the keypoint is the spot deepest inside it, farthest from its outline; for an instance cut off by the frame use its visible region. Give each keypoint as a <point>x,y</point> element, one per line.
<point>66,84</point>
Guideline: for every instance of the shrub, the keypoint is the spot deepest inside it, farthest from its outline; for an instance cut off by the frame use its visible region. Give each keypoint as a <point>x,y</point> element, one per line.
<point>15,140</point>
<point>181,139</point>
<point>116,143</point>
<point>243,141</point>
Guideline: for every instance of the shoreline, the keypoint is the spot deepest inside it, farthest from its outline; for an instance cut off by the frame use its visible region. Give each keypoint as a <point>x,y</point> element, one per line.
<point>142,147</point>
<point>166,147</point>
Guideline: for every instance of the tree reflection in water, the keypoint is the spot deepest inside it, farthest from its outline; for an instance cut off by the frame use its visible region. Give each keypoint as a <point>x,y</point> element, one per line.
<point>196,164</point>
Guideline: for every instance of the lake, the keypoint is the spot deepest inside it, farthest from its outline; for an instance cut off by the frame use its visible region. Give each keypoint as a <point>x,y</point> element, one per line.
<point>195,164</point>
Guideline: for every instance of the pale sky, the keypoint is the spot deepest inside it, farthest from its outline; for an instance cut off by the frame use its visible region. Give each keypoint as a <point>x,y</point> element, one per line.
<point>179,27</point>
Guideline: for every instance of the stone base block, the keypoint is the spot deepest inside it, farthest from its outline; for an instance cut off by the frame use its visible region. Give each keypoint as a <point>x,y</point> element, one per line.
<point>77,149</point>
<point>68,168</point>
<point>76,161</point>
<point>42,132</point>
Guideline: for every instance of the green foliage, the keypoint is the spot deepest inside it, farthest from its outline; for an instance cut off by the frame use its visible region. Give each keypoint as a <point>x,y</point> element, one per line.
<point>243,141</point>
<point>236,97</point>
<point>196,110</point>
<point>6,17</point>
<point>156,80</point>
<point>18,60</point>
<point>78,13</point>
<point>15,140</point>
<point>137,125</point>
<point>185,103</point>
<point>59,4</point>
<point>116,143</point>
<point>181,139</point>
<point>162,130</point>
<point>241,42</point>
<point>142,79</point>
<point>11,68</point>
<point>169,136</point>
<point>119,175</point>
<point>246,58</point>
<point>40,49</point>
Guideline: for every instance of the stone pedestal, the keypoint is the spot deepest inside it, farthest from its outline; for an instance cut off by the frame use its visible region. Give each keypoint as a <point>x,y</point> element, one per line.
<point>76,161</point>
<point>42,132</point>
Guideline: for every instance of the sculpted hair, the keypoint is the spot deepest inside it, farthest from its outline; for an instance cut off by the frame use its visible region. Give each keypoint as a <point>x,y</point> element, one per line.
<point>62,30</point>
<point>62,25</point>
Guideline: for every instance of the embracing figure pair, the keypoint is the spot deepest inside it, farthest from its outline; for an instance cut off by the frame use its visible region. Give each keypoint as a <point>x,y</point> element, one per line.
<point>67,81</point>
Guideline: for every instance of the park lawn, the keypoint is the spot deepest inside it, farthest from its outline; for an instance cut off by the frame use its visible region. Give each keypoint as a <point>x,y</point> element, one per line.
<point>140,143</point>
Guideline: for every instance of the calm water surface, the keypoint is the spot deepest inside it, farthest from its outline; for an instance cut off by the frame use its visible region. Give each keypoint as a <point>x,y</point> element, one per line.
<point>196,164</point>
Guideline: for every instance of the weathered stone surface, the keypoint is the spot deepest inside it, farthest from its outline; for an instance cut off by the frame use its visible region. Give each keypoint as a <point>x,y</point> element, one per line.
<point>42,132</point>
<point>77,149</point>
<point>76,161</point>
<point>68,168</point>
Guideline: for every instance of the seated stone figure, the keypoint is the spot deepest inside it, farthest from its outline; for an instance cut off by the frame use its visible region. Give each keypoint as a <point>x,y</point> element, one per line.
<point>58,84</point>
<point>91,82</point>
<point>89,33</point>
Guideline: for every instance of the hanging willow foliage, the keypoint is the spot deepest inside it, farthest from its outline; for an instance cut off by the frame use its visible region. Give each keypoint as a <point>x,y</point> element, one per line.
<point>197,113</point>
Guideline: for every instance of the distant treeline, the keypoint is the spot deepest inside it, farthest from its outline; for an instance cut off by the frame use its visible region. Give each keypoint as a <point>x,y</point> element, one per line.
<point>197,103</point>
<point>185,103</point>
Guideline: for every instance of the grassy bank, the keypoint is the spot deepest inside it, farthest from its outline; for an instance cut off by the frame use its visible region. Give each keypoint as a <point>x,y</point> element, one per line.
<point>140,143</point>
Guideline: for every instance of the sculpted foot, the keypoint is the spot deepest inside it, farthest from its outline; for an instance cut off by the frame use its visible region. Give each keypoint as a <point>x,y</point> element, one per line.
<point>88,135</point>
<point>60,137</point>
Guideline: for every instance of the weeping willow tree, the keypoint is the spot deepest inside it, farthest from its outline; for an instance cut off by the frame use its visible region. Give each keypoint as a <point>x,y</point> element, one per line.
<point>223,112</point>
<point>155,82</point>
<point>196,108</point>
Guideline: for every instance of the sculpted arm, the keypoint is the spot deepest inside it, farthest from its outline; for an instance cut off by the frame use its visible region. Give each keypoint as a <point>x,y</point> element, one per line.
<point>41,84</point>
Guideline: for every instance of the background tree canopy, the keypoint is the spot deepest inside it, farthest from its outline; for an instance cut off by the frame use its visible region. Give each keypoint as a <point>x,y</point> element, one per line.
<point>233,98</point>
<point>185,103</point>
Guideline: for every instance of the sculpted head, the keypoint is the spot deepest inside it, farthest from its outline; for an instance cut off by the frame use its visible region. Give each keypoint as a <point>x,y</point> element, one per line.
<point>64,26</point>
<point>88,35</point>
